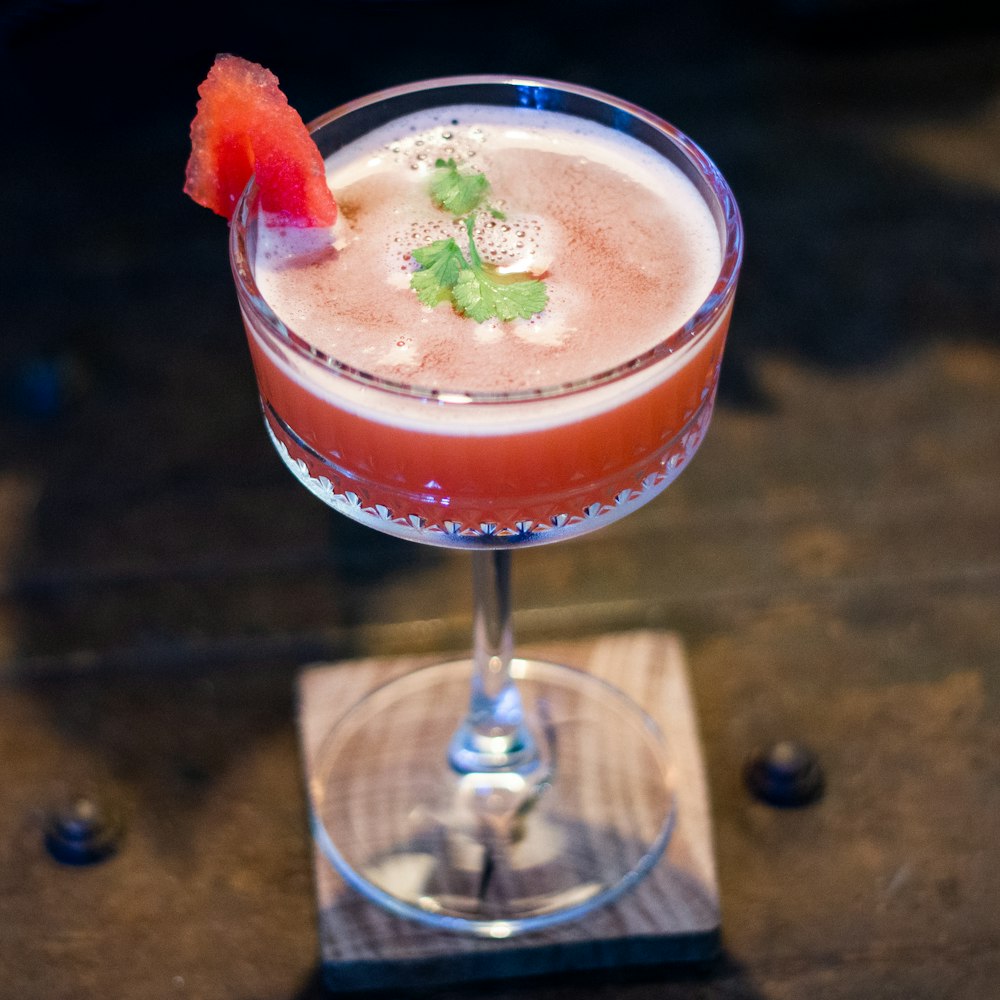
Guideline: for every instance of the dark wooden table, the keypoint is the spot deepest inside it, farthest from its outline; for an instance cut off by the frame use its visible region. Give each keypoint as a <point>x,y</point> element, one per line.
<point>831,558</point>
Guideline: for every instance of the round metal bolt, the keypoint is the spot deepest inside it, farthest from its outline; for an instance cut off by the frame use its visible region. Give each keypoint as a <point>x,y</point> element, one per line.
<point>785,774</point>
<point>82,832</point>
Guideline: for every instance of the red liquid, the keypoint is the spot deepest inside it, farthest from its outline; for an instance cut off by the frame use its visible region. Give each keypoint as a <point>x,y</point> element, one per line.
<point>501,485</point>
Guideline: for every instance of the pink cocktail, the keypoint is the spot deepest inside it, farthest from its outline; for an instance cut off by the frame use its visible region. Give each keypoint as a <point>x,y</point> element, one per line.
<point>516,478</point>
<point>452,453</point>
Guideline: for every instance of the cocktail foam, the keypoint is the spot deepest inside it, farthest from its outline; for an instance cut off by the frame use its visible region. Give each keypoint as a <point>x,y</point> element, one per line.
<point>627,248</point>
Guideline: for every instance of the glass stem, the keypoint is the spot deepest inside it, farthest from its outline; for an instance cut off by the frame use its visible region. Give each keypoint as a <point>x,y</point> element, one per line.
<point>494,736</point>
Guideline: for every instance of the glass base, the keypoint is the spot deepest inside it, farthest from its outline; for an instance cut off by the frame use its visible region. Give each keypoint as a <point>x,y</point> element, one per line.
<point>493,853</point>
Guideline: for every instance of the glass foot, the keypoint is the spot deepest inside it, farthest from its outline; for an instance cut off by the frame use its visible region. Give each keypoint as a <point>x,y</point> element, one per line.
<point>493,853</point>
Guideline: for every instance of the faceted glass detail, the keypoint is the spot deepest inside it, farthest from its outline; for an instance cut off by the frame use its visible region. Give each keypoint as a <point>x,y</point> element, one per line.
<point>522,530</point>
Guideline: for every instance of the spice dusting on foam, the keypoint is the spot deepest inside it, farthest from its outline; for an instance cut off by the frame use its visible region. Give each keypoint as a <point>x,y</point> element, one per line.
<point>627,247</point>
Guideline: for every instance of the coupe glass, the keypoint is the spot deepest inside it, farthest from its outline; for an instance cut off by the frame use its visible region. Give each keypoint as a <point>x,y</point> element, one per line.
<point>493,794</point>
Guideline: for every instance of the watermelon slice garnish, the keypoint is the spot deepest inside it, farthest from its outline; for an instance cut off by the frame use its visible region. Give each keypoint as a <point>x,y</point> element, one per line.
<point>244,126</point>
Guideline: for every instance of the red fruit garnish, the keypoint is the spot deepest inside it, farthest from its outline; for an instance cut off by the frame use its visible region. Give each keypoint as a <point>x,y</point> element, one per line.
<point>245,125</point>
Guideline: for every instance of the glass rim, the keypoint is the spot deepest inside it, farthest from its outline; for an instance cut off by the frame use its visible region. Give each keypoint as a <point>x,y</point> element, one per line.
<point>701,321</point>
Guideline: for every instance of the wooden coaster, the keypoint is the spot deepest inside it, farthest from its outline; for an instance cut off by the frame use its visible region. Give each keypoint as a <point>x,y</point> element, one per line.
<point>671,916</point>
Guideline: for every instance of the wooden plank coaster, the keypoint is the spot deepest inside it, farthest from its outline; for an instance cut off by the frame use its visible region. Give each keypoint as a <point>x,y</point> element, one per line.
<point>672,915</point>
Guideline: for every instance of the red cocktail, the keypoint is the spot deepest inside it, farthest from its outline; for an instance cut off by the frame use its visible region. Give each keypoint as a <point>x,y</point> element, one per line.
<point>412,417</point>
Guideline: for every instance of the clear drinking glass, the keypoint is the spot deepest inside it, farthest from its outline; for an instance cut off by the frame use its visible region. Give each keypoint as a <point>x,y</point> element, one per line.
<point>493,795</point>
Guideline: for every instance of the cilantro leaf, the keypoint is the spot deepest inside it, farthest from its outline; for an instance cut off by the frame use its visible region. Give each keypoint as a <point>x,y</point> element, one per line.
<point>480,293</point>
<point>473,287</point>
<point>441,262</point>
<point>456,192</point>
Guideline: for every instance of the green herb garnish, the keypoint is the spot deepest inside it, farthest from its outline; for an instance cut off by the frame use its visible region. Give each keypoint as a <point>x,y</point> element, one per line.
<point>441,263</point>
<point>456,192</point>
<point>474,287</point>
